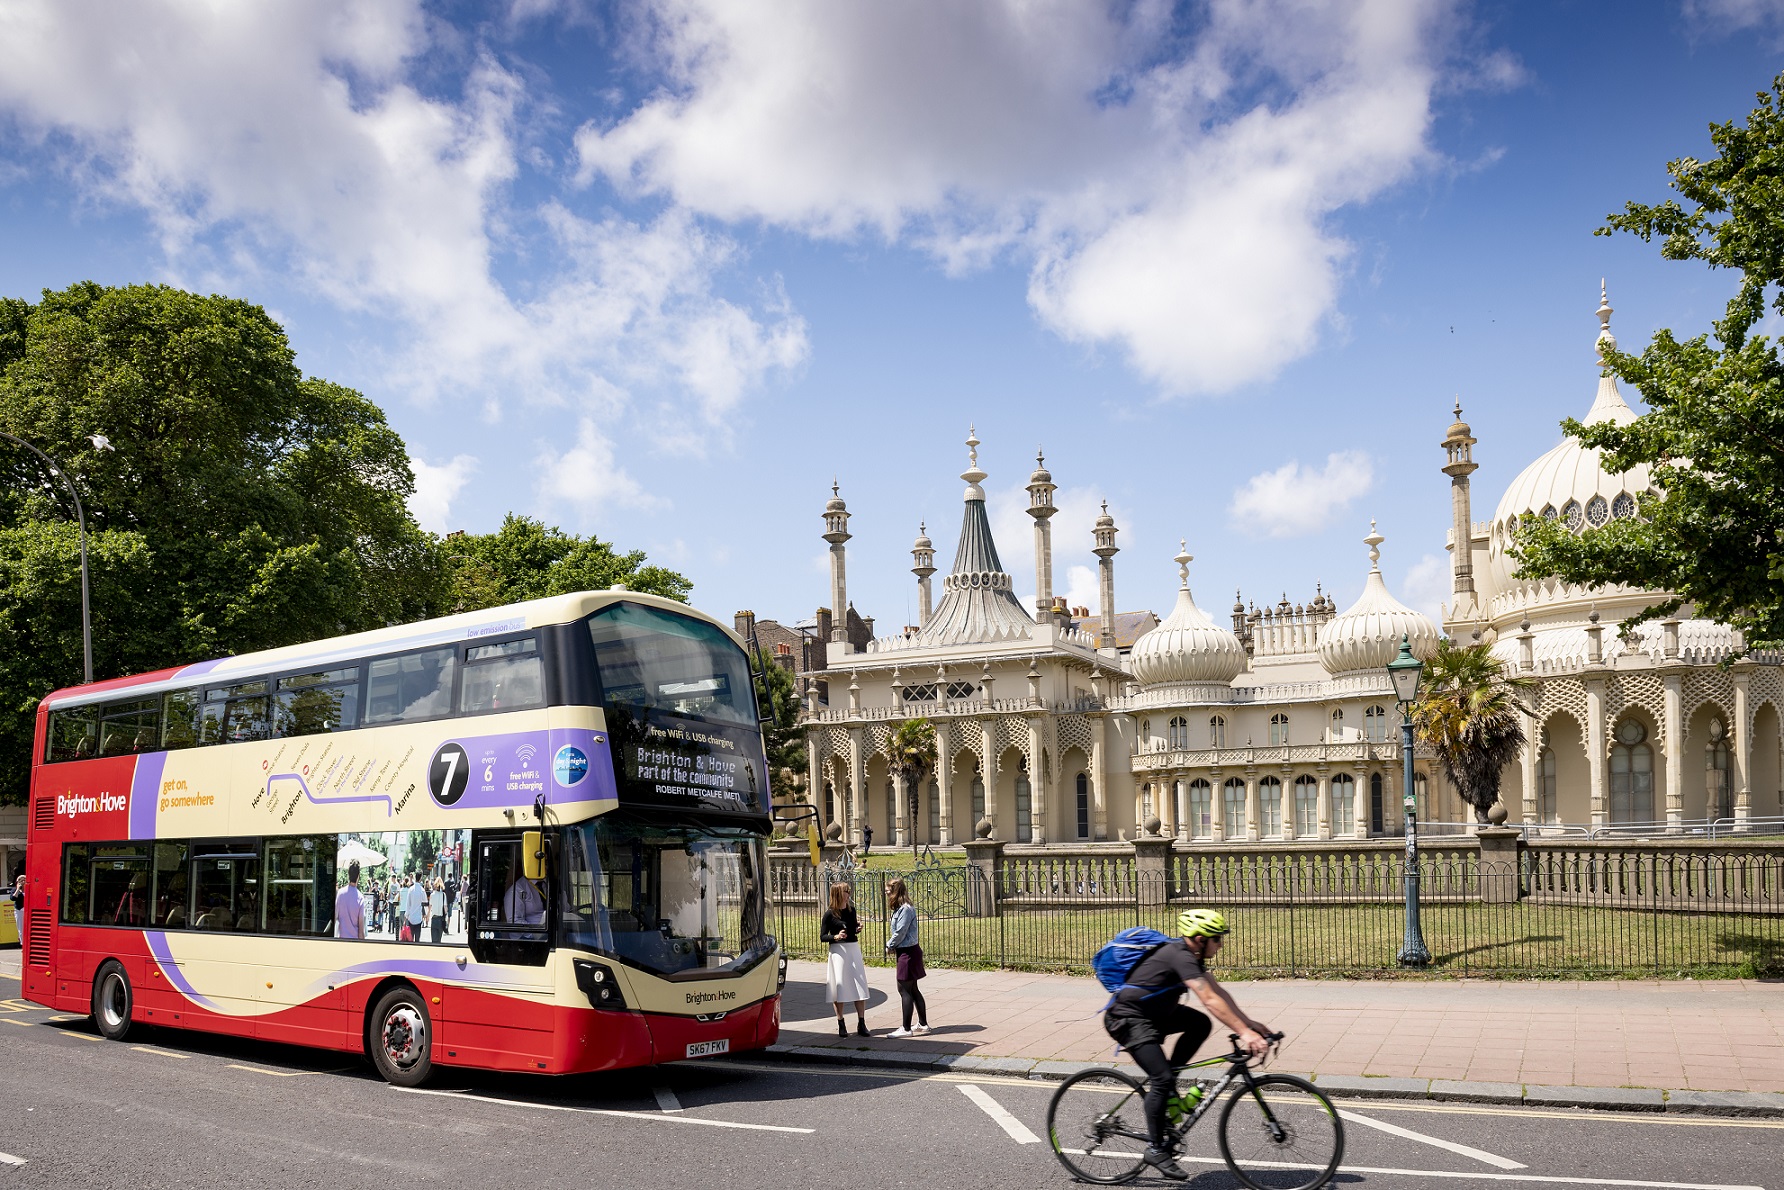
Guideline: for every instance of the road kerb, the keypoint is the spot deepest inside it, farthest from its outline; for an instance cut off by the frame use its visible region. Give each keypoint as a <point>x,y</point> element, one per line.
<point>1374,1088</point>
<point>1460,1091</point>
<point>1726,1103</point>
<point>1612,1098</point>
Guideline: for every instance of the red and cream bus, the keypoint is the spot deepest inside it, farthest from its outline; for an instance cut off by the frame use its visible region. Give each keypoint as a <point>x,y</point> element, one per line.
<point>530,838</point>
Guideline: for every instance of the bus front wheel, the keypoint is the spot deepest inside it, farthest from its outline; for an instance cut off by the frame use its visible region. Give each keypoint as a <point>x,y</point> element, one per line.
<point>402,1038</point>
<point>112,1000</point>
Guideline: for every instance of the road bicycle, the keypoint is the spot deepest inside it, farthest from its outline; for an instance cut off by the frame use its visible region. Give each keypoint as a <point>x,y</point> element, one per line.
<point>1277,1132</point>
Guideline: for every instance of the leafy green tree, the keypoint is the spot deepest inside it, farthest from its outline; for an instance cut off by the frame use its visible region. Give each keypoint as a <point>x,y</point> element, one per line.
<point>1714,437</point>
<point>524,559</point>
<point>1468,712</point>
<point>240,505</point>
<point>912,752</point>
<point>777,692</point>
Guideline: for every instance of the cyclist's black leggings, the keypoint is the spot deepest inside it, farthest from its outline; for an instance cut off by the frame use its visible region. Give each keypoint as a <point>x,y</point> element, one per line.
<point>913,998</point>
<point>1143,1035</point>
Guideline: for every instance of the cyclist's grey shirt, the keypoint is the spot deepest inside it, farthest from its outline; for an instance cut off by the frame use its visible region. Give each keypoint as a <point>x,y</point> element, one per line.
<point>1167,967</point>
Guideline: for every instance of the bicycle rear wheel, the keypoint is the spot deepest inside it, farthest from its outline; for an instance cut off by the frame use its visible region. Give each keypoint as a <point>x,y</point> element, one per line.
<point>1096,1124</point>
<point>1281,1135</point>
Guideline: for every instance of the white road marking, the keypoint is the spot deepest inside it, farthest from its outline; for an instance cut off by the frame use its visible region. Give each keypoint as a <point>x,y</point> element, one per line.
<point>599,1111</point>
<point>1016,1128</point>
<point>1452,1146</point>
<point>9,1159</point>
<point>666,1099</point>
<point>1541,1179</point>
<point>149,1049</point>
<point>259,1070</point>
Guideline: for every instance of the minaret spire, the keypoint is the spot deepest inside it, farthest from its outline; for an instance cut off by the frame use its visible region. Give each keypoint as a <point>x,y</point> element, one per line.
<point>1040,506</point>
<point>923,554</point>
<point>836,532</point>
<point>1105,550</point>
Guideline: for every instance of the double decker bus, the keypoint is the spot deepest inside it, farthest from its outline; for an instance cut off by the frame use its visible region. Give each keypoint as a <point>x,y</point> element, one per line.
<point>530,838</point>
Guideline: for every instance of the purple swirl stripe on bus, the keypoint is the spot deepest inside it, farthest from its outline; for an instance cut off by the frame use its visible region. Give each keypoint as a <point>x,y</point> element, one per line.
<point>329,801</point>
<point>157,940</point>
<point>145,793</point>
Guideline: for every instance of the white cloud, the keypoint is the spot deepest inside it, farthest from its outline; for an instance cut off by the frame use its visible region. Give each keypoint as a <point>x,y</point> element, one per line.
<point>1081,589</point>
<point>436,487</point>
<point>300,141</point>
<point>587,478</point>
<point>1428,586</point>
<point>1723,17</point>
<point>1293,501</point>
<point>1172,191</point>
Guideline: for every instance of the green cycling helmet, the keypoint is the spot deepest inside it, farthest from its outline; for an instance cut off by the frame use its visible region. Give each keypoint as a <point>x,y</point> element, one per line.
<point>1202,923</point>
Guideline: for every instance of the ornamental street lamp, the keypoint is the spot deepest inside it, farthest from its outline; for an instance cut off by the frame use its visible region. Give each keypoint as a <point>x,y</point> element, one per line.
<point>99,442</point>
<point>1405,671</point>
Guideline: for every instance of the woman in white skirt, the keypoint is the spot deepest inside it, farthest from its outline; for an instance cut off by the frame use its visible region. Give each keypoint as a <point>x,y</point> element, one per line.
<point>848,974</point>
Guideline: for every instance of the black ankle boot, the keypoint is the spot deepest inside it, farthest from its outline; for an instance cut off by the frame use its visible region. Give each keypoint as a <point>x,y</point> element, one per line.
<point>861,1028</point>
<point>842,1028</point>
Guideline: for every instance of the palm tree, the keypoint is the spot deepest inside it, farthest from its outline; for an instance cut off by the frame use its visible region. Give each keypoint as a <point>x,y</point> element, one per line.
<point>1468,711</point>
<point>912,753</point>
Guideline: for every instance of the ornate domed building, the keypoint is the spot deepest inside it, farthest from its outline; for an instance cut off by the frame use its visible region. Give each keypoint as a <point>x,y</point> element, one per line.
<point>1057,727</point>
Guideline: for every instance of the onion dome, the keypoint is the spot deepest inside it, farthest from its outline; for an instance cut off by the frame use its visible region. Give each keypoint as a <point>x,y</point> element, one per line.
<point>922,542</point>
<point>1569,482</point>
<point>1041,474</point>
<point>835,503</point>
<point>1187,646</point>
<point>1367,635</point>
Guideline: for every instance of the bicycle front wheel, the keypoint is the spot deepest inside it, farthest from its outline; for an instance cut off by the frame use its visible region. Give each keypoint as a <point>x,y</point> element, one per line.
<point>1281,1134</point>
<point>1096,1124</point>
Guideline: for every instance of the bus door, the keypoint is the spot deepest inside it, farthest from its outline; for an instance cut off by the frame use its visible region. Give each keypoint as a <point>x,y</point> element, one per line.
<point>504,1017</point>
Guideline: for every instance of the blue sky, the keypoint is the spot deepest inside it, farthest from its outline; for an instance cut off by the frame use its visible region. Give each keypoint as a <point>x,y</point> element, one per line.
<point>660,271</point>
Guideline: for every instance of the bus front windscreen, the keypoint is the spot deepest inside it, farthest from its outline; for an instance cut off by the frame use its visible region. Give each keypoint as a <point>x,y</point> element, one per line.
<point>681,710</point>
<point>667,898</point>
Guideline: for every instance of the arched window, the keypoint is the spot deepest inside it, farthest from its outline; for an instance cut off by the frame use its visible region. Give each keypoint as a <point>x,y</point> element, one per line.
<point>1573,515</point>
<point>1216,731</point>
<point>1375,725</point>
<point>829,803</point>
<point>1269,808</point>
<point>1024,808</point>
<point>1179,731</point>
<point>891,812</point>
<point>1306,806</point>
<point>1338,725</point>
<point>1233,794</point>
<point>1597,511</point>
<point>978,802</point>
<point>1146,733</point>
<point>1278,730</point>
<point>1083,805</point>
<point>1201,809</point>
<point>1623,506</point>
<point>1421,793</point>
<point>1344,806</point>
<point>1145,806</point>
<point>1632,774</point>
<point>1545,797</point>
<point>1377,812</point>
<point>1718,795</point>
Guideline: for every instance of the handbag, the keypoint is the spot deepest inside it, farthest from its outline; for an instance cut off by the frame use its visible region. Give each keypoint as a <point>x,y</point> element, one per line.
<point>403,935</point>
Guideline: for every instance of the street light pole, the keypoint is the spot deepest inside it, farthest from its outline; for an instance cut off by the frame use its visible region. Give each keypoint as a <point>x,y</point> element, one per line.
<point>80,515</point>
<point>1405,671</point>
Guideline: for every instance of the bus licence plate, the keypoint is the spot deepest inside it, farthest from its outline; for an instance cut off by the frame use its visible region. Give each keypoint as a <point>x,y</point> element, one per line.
<point>705,1049</point>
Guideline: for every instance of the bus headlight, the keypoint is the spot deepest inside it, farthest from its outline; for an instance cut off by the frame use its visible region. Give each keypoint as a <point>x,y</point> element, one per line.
<point>597,983</point>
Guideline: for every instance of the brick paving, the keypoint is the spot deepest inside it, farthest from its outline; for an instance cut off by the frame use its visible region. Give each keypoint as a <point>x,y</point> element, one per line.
<point>1697,1035</point>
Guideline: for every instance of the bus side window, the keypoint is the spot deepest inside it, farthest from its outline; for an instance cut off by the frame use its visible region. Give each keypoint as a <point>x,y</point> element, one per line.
<point>412,686</point>
<point>172,886</point>
<point>179,719</point>
<point>502,677</point>
<point>508,918</point>
<point>226,886</point>
<point>300,885</point>
<point>128,728</point>
<point>74,734</point>
<point>310,704</point>
<point>77,878</point>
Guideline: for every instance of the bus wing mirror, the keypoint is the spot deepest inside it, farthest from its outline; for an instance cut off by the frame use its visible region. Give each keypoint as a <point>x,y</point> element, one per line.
<point>532,854</point>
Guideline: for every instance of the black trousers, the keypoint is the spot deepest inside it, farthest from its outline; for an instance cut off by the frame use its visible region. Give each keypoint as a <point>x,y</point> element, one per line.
<point>912,998</point>
<point>1142,1034</point>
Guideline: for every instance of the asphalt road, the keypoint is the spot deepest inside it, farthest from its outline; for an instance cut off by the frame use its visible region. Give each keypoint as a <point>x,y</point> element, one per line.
<point>167,1109</point>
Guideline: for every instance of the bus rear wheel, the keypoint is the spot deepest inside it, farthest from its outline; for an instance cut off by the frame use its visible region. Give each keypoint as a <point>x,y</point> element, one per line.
<point>402,1038</point>
<point>112,1000</point>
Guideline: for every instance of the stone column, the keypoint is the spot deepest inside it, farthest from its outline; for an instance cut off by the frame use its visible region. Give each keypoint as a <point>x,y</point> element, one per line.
<point>1527,759</point>
<point>1185,828</point>
<point>1038,784</point>
<point>1359,816</point>
<point>1164,804</point>
<point>1252,820</point>
<point>814,779</point>
<point>1139,806</point>
<point>983,857</point>
<point>1152,868</point>
<point>1595,752</point>
<point>944,788</point>
<point>1741,755</point>
<point>1217,808</point>
<point>856,798</point>
<point>1672,731</point>
<point>1325,803</point>
<point>988,734</point>
<point>901,826</point>
<point>1099,807</point>
<point>1498,864</point>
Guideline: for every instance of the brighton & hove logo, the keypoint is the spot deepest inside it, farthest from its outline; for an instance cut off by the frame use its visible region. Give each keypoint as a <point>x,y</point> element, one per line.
<point>570,765</point>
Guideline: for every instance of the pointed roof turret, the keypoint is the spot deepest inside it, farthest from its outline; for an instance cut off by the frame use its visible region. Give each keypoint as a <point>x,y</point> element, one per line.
<point>1188,646</point>
<point>979,605</point>
<point>1367,636</point>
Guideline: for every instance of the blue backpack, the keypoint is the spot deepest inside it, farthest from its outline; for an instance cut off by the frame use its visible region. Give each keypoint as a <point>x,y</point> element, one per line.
<point>1122,953</point>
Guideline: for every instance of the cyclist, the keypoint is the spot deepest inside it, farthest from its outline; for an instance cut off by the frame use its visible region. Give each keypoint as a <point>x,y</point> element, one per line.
<point>1148,1009</point>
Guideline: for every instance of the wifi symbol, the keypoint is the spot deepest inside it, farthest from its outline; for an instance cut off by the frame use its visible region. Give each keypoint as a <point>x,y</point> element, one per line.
<point>525,752</point>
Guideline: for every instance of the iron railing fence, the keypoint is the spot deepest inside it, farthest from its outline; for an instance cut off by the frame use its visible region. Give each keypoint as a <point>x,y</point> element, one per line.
<point>1572,914</point>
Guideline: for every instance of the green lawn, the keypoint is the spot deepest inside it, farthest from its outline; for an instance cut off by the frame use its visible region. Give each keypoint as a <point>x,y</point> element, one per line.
<point>1522,940</point>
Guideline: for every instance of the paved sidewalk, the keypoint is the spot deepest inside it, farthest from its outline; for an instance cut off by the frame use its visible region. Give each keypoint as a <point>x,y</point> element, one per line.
<point>1671,1035</point>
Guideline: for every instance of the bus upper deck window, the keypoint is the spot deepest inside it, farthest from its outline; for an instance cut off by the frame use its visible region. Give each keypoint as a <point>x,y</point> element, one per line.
<point>74,734</point>
<point>180,718</point>
<point>413,686</point>
<point>660,661</point>
<point>131,727</point>
<point>310,704</point>
<point>503,677</point>
<point>235,713</point>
